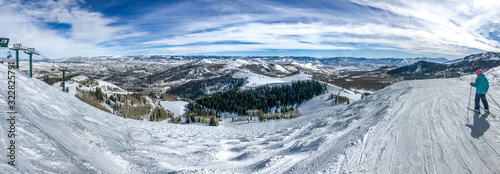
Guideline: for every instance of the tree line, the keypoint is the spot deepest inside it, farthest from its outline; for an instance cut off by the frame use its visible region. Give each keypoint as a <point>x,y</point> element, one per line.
<point>53,79</point>
<point>279,98</point>
<point>197,88</point>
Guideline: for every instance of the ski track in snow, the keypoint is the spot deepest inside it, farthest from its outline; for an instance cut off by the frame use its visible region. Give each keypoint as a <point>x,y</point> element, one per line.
<point>428,133</point>
<point>409,127</point>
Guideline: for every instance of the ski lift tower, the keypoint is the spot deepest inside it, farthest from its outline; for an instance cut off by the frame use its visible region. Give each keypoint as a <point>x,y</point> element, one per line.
<point>63,69</point>
<point>4,43</point>
<point>17,47</point>
<point>31,51</point>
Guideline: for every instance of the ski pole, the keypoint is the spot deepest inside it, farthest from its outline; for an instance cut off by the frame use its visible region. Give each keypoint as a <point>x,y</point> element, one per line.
<point>468,105</point>
<point>493,100</point>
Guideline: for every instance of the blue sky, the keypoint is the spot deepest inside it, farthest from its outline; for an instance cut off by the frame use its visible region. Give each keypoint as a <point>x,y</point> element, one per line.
<point>319,28</point>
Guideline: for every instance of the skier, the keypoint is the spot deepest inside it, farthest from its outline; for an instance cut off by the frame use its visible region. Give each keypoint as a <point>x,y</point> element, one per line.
<point>481,84</point>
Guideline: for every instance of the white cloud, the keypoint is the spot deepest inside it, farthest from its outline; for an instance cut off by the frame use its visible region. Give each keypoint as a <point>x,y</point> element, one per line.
<point>442,23</point>
<point>320,36</point>
<point>486,4</point>
<point>447,27</point>
<point>194,49</point>
<point>90,27</point>
<point>264,36</point>
<point>26,24</point>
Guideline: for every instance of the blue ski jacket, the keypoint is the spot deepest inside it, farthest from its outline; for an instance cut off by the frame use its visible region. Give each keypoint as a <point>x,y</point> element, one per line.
<point>481,84</point>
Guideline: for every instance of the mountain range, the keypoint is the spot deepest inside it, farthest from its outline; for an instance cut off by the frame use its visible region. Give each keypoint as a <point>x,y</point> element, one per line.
<point>467,65</point>
<point>164,73</point>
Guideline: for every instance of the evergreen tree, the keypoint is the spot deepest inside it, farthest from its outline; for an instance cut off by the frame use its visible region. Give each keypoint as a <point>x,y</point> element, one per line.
<point>262,98</point>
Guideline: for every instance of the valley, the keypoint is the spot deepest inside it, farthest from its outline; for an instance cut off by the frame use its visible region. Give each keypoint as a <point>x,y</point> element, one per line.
<point>141,81</point>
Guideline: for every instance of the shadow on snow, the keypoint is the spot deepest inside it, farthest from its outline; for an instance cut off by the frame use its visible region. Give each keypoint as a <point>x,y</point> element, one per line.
<point>479,126</point>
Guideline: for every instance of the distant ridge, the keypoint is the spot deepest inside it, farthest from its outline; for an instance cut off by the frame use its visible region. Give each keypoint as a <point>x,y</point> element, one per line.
<point>468,64</point>
<point>360,63</point>
<point>482,56</point>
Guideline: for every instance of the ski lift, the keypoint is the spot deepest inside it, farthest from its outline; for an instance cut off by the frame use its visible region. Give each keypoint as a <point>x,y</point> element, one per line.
<point>9,54</point>
<point>53,66</point>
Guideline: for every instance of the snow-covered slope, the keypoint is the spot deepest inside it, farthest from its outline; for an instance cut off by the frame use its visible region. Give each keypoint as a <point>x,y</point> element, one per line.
<point>177,107</point>
<point>106,87</point>
<point>253,80</point>
<point>56,132</point>
<point>482,56</point>
<point>408,127</point>
<point>426,129</point>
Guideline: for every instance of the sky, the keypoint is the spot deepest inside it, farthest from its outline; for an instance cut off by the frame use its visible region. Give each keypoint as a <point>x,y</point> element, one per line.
<point>318,28</point>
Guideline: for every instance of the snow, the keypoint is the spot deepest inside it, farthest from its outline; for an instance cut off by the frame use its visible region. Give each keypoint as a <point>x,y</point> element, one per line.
<point>206,61</point>
<point>332,89</point>
<point>482,56</point>
<point>306,66</point>
<point>279,68</point>
<point>106,87</point>
<point>428,133</point>
<point>79,78</point>
<point>234,63</point>
<point>71,85</point>
<point>110,89</point>
<point>363,90</point>
<point>253,80</point>
<point>140,71</point>
<point>409,127</point>
<point>177,107</point>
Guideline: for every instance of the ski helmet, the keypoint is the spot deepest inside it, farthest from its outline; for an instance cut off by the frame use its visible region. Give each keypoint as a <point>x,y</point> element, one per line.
<point>479,71</point>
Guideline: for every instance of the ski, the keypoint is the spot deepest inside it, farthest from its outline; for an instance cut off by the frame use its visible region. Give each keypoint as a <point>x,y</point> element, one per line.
<point>482,110</point>
<point>489,113</point>
<point>472,110</point>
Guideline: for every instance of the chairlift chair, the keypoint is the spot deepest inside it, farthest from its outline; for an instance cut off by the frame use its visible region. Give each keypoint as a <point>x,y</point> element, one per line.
<point>53,66</point>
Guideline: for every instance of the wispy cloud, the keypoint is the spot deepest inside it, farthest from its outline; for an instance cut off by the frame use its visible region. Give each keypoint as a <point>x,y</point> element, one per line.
<point>413,27</point>
<point>444,25</point>
<point>438,28</point>
<point>27,24</point>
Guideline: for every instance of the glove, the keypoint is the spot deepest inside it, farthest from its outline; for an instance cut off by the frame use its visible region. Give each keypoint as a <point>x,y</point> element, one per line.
<point>471,84</point>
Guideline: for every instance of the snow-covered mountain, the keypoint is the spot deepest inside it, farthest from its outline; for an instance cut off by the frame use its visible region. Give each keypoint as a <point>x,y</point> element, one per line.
<point>468,64</point>
<point>335,63</point>
<point>371,64</point>
<point>164,73</point>
<point>408,127</point>
<point>482,56</point>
